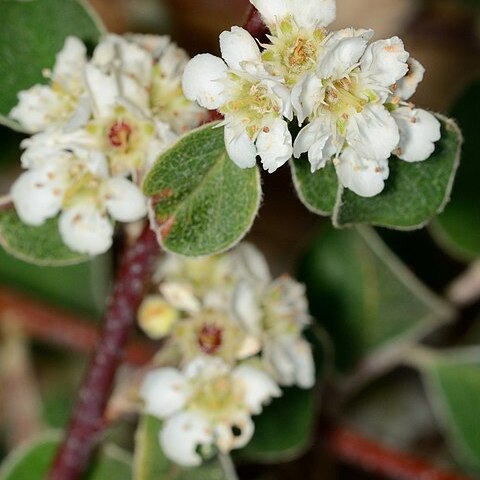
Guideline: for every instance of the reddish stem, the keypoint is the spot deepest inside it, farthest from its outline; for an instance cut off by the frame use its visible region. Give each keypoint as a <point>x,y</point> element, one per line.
<point>61,328</point>
<point>371,457</point>
<point>87,419</point>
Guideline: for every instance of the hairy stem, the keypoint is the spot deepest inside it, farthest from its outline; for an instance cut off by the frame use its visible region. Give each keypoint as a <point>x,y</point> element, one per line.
<point>87,420</point>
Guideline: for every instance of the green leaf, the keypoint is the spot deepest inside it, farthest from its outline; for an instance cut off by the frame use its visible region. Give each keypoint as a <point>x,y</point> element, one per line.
<point>317,191</point>
<point>458,228</point>
<point>32,32</point>
<point>414,192</point>
<point>150,462</point>
<point>203,203</point>
<point>364,296</point>
<point>453,384</point>
<point>277,440</point>
<point>33,460</point>
<point>39,245</point>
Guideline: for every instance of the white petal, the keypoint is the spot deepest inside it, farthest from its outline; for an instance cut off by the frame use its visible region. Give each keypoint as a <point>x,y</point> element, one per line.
<point>385,61</point>
<point>419,130</point>
<point>103,88</point>
<point>226,440</point>
<point>373,133</point>
<point>206,367</point>
<point>246,308</point>
<point>316,139</point>
<point>407,85</point>
<point>134,92</point>
<point>364,177</point>
<point>70,63</point>
<point>201,81</point>
<point>301,353</point>
<point>277,358</point>
<point>164,392</point>
<point>283,95</point>
<point>81,115</point>
<point>274,145</point>
<point>182,435</point>
<point>313,13</point>
<point>238,46</point>
<point>125,202</point>
<point>292,360</point>
<point>128,57</point>
<point>36,108</point>
<point>84,229</point>
<point>38,195</point>
<point>240,147</point>
<point>251,264</point>
<point>259,387</point>
<point>272,10</point>
<point>180,296</point>
<point>334,37</point>
<point>306,96</point>
<point>340,59</point>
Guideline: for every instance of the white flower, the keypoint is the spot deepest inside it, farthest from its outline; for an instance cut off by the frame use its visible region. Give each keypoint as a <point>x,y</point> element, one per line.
<point>67,177</point>
<point>307,14</point>
<point>419,129</point>
<point>277,315</point>
<point>63,103</point>
<point>131,139</point>
<point>297,35</point>
<point>252,102</point>
<point>167,101</point>
<point>205,404</point>
<point>352,105</point>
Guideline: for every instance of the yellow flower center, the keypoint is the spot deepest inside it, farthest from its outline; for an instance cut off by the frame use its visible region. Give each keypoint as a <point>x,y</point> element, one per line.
<point>253,104</point>
<point>293,51</point>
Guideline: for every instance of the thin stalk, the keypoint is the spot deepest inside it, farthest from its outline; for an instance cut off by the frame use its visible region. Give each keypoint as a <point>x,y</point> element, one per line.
<point>87,421</point>
<point>354,449</point>
<point>228,466</point>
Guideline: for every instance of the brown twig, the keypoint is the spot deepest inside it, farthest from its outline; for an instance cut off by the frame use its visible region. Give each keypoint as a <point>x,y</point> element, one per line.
<point>371,457</point>
<point>87,420</point>
<point>60,328</point>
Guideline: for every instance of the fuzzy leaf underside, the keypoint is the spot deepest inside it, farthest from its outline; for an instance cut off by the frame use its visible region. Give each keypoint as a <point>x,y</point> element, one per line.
<point>201,202</point>
<point>414,192</point>
<point>31,34</point>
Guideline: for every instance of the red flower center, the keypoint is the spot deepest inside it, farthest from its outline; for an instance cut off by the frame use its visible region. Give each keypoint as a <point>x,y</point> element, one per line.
<point>119,134</point>
<point>210,338</point>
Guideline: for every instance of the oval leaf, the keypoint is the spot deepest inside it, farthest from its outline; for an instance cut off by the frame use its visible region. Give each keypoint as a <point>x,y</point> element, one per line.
<point>453,384</point>
<point>317,191</point>
<point>202,203</point>
<point>365,297</point>
<point>39,245</point>
<point>31,34</point>
<point>33,460</point>
<point>414,192</point>
<point>458,228</point>
<point>276,440</point>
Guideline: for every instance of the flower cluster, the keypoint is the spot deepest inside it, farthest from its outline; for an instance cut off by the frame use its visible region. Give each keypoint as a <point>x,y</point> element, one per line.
<point>97,127</point>
<point>349,94</point>
<point>236,336</point>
